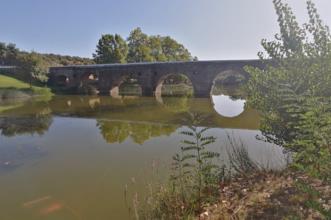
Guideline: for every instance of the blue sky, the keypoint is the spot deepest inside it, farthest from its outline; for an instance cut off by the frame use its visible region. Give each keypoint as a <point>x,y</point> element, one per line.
<point>210,29</point>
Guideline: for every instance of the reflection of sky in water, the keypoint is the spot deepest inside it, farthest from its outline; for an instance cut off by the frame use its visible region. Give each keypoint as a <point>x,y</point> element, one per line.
<point>227,107</point>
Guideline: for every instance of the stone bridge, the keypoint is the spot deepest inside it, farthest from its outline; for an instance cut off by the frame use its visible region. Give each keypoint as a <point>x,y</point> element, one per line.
<point>107,78</point>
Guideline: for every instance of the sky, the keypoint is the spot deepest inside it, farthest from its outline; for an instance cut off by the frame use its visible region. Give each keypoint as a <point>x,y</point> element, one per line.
<point>210,29</point>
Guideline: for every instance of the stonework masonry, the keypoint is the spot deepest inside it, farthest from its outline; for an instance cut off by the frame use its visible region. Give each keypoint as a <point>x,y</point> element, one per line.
<point>108,77</point>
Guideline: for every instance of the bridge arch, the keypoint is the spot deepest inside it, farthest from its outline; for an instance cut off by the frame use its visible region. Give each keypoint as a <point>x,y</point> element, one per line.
<point>180,79</point>
<point>88,83</point>
<point>62,80</point>
<point>227,96</point>
<point>201,74</point>
<point>230,77</point>
<point>132,82</point>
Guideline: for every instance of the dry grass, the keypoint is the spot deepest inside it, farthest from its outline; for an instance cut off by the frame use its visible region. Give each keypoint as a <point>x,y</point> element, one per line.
<point>271,196</point>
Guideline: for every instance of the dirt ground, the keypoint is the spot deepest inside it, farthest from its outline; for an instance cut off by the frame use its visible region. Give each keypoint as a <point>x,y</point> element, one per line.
<point>272,196</point>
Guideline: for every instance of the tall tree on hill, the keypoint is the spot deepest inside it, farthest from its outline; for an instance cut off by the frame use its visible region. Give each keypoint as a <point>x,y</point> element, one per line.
<point>111,49</point>
<point>139,50</point>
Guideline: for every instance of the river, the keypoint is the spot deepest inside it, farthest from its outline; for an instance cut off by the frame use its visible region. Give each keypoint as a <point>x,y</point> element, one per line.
<point>76,157</point>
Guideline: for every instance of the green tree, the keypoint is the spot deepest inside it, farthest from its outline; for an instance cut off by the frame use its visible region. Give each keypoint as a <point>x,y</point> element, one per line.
<point>111,49</point>
<point>155,43</point>
<point>31,68</point>
<point>174,51</point>
<point>12,53</point>
<point>139,49</point>
<point>2,53</point>
<point>293,91</point>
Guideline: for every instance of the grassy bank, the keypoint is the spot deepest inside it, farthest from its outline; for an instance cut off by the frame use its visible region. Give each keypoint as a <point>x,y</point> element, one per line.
<point>10,85</point>
<point>14,92</point>
<point>201,185</point>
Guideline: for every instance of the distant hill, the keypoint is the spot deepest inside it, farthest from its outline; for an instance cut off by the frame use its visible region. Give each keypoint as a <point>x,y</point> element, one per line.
<point>63,60</point>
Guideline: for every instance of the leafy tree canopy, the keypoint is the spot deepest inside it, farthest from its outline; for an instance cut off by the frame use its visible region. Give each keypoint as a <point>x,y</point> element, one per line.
<point>140,47</point>
<point>111,49</point>
<point>293,91</point>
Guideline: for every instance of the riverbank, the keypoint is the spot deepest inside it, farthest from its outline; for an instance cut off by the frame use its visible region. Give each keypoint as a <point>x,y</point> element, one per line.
<point>13,92</point>
<point>271,195</point>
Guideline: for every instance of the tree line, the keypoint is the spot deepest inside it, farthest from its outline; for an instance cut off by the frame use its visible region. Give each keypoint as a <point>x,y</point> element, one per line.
<point>139,47</point>
<point>33,67</point>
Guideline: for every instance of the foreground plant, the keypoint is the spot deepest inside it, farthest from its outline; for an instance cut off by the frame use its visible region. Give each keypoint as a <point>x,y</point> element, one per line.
<point>293,91</point>
<point>194,180</point>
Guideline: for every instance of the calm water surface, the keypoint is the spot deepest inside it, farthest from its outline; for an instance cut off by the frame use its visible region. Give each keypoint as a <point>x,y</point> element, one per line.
<point>71,157</point>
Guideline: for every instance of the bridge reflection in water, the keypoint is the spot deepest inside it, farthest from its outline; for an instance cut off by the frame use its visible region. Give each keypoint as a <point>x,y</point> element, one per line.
<point>80,151</point>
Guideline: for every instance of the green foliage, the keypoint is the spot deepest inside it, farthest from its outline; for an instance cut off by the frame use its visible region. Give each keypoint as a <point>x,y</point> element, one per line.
<point>34,124</point>
<point>156,45</point>
<point>174,51</point>
<point>8,54</point>
<point>31,67</point>
<point>139,50</point>
<point>194,181</point>
<point>314,196</point>
<point>111,49</point>
<point>140,47</point>
<point>9,82</point>
<point>197,163</point>
<point>115,131</point>
<point>293,92</point>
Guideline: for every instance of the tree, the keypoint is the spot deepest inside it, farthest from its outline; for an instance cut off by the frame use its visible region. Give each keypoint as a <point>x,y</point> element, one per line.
<point>155,43</point>
<point>139,50</point>
<point>3,49</point>
<point>174,51</point>
<point>111,49</point>
<point>11,57</point>
<point>140,47</point>
<point>31,68</point>
<point>293,91</point>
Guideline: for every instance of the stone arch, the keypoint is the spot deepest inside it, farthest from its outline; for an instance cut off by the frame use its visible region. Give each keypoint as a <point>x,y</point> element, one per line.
<point>163,79</point>
<point>88,83</point>
<point>115,90</point>
<point>229,77</point>
<point>62,80</point>
<point>225,93</point>
<point>89,77</point>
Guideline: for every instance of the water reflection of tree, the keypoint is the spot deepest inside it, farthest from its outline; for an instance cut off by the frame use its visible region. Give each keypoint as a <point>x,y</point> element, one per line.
<point>119,131</point>
<point>176,104</point>
<point>31,124</point>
